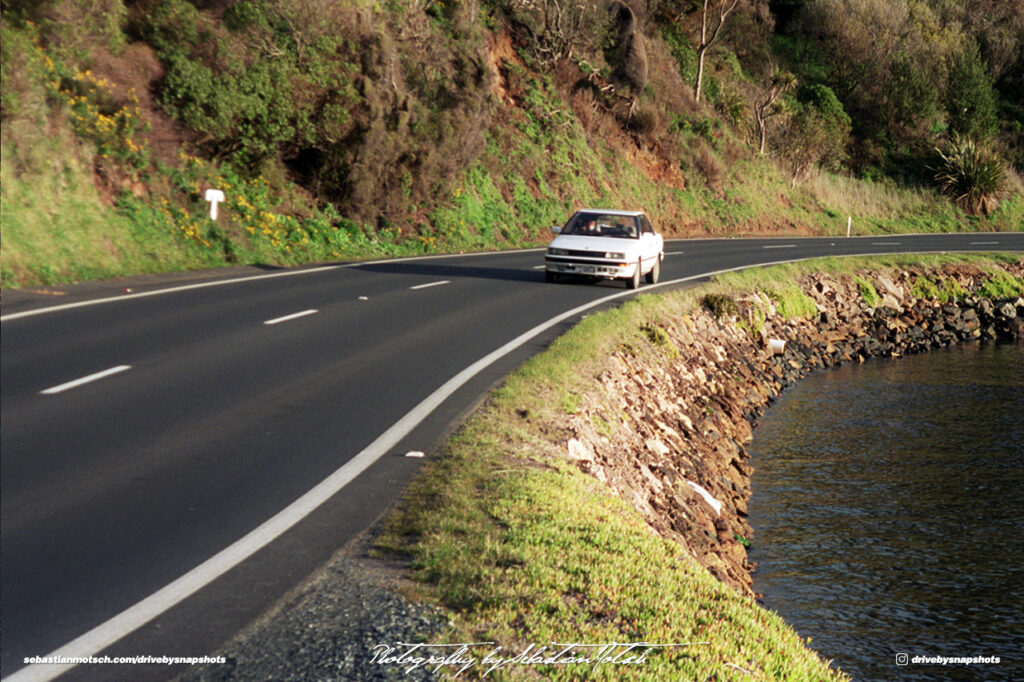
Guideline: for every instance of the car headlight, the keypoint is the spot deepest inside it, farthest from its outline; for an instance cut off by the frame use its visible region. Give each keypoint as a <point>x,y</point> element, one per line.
<point>612,255</point>
<point>557,252</point>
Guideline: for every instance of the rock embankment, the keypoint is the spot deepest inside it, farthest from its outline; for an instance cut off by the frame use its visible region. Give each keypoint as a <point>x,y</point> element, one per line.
<point>667,429</point>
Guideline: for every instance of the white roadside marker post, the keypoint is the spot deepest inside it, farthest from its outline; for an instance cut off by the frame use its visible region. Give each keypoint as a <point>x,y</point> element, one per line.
<point>214,196</point>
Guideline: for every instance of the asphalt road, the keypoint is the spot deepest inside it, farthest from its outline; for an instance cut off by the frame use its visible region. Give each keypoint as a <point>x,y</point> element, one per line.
<point>144,433</point>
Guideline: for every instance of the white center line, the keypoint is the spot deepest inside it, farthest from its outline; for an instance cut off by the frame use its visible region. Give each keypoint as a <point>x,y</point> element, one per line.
<point>293,316</point>
<point>674,253</point>
<point>85,380</point>
<point>432,284</point>
<point>984,243</point>
<point>780,246</point>
<point>885,243</point>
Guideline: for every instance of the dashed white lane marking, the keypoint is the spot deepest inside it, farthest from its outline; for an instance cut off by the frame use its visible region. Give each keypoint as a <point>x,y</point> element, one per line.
<point>134,617</point>
<point>779,246</point>
<point>983,243</point>
<point>431,284</point>
<point>125,296</point>
<point>85,380</point>
<point>293,316</point>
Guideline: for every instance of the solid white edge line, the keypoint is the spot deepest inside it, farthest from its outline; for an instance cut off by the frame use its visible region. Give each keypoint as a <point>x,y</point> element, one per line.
<point>160,292</point>
<point>85,380</point>
<point>293,316</point>
<point>129,620</point>
<point>290,273</point>
<point>134,617</point>
<point>237,280</point>
<point>431,284</point>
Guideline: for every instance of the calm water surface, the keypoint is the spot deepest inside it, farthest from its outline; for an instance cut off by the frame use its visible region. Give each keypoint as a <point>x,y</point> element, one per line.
<point>888,505</point>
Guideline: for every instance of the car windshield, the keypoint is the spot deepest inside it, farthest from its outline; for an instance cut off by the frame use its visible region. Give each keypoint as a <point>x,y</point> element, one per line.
<point>602,225</point>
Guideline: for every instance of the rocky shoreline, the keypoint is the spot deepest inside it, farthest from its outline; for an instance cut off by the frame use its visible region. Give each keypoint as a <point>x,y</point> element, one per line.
<point>668,432</point>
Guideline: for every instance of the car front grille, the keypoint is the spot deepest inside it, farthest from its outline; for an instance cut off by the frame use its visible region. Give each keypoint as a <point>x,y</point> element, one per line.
<point>593,258</point>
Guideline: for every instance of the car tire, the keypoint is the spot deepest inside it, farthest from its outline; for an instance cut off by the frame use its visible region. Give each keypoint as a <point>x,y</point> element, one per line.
<point>634,281</point>
<point>655,273</point>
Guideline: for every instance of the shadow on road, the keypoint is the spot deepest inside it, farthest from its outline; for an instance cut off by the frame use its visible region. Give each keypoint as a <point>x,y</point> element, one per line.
<point>477,272</point>
<point>455,271</point>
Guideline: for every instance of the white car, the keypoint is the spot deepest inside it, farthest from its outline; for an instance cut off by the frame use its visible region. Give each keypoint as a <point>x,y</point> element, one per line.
<point>606,244</point>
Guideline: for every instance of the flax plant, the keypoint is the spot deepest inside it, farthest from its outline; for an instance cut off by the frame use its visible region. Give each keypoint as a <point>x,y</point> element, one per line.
<point>971,175</point>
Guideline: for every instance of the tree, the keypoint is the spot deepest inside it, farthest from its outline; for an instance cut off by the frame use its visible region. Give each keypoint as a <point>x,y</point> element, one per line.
<point>886,60</point>
<point>912,95</point>
<point>970,100</point>
<point>629,56</point>
<point>557,29</point>
<point>818,131</point>
<point>707,39</point>
<point>767,106</point>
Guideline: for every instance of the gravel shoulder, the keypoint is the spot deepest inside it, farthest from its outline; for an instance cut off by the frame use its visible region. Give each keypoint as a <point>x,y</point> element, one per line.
<point>330,627</point>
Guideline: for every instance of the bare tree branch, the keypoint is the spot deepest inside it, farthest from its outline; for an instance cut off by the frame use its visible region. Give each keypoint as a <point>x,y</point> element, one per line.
<point>781,82</point>
<point>725,8</point>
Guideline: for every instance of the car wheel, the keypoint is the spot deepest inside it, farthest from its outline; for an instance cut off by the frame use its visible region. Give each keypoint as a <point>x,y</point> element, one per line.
<point>655,273</point>
<point>550,277</point>
<point>634,281</point>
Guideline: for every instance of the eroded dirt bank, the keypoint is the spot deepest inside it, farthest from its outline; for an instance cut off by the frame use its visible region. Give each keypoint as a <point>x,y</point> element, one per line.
<point>669,432</point>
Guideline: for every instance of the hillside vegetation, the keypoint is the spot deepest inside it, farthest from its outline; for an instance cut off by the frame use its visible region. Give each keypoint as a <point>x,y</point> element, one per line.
<point>349,129</point>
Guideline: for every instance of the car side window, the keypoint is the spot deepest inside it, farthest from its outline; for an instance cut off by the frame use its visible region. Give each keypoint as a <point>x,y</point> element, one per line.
<point>646,225</point>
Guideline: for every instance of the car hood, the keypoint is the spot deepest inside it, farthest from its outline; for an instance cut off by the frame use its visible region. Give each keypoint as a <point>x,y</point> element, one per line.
<point>575,242</point>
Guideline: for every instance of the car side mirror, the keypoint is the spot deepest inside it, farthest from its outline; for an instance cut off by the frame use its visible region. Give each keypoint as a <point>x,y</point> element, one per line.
<point>556,229</point>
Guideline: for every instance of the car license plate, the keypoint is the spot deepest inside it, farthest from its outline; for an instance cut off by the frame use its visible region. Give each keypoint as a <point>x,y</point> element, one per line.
<point>586,269</point>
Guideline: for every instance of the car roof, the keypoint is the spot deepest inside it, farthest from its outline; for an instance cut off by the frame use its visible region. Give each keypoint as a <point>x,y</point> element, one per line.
<point>610,211</point>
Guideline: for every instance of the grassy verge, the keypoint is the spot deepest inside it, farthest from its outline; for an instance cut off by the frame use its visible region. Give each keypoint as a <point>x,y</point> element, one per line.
<point>523,549</point>
<point>56,228</point>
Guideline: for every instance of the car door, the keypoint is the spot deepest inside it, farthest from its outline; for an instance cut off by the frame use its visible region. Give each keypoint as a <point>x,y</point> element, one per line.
<point>650,246</point>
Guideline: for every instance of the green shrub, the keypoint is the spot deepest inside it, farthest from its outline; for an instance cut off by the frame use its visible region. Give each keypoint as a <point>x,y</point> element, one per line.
<point>952,291</point>
<point>20,64</point>
<point>925,288</point>
<point>791,302</point>
<point>720,305</point>
<point>682,49</point>
<point>867,290</point>
<point>944,290</point>
<point>1002,285</point>
<point>657,335</point>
